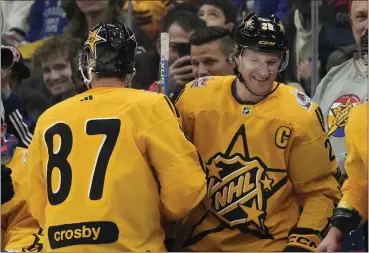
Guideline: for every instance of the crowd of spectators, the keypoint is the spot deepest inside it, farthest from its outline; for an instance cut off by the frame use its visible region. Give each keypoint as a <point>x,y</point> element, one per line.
<point>46,36</point>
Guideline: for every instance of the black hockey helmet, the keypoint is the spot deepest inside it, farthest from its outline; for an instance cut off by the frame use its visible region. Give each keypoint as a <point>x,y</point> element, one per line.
<point>109,49</point>
<point>262,34</point>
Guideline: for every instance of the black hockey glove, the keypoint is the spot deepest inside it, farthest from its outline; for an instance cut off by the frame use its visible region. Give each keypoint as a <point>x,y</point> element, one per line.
<point>7,190</point>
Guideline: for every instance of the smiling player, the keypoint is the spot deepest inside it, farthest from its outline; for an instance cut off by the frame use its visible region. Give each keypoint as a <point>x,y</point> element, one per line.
<point>267,153</point>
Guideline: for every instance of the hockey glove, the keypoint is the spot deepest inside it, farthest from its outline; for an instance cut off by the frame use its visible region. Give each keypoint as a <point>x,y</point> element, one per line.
<point>7,190</point>
<point>303,240</point>
<point>346,220</point>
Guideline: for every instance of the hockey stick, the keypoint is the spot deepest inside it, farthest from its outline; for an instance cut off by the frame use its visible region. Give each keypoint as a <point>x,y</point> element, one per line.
<point>164,55</point>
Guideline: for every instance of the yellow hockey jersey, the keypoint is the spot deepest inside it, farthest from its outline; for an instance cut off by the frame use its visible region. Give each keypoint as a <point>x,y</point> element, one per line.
<point>355,188</point>
<point>264,163</point>
<point>19,230</point>
<point>107,167</point>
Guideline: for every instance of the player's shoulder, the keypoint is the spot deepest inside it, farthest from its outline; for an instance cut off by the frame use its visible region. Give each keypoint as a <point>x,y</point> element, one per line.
<point>204,90</point>
<point>360,110</point>
<point>207,83</point>
<point>142,97</point>
<point>359,113</point>
<point>298,107</point>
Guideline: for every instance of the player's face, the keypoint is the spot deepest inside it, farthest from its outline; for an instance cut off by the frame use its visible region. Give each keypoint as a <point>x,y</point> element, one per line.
<point>359,19</point>
<point>176,35</point>
<point>208,60</point>
<point>259,69</point>
<point>57,74</point>
<point>94,6</point>
<point>212,15</point>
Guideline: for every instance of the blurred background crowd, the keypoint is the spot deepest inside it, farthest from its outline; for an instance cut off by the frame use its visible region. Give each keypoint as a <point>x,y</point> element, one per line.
<point>48,34</point>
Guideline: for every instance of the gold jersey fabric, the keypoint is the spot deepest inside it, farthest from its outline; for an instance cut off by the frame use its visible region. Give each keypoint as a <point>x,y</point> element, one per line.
<point>264,163</point>
<point>355,188</point>
<point>19,230</point>
<point>107,167</point>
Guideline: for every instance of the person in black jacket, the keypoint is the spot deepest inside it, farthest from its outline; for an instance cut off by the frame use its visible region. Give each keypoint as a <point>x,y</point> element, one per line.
<point>18,122</point>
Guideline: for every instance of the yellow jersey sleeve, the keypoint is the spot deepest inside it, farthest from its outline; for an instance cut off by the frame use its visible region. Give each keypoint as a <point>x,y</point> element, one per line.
<point>187,116</point>
<point>312,168</point>
<point>36,177</point>
<point>20,231</point>
<point>177,163</point>
<point>355,188</point>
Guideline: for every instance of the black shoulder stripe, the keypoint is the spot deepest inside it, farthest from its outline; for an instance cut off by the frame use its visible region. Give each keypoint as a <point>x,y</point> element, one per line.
<point>179,95</point>
<point>319,115</point>
<point>172,107</point>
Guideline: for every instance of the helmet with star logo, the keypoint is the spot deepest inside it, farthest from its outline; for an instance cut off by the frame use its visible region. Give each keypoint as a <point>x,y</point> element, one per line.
<point>109,51</point>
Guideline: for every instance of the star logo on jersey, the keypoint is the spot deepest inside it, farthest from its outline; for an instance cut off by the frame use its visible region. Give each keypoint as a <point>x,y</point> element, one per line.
<point>239,187</point>
<point>338,114</point>
<point>93,39</point>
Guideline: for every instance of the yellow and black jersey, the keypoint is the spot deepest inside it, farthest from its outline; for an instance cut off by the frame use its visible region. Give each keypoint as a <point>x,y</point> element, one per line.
<point>355,188</point>
<point>107,166</point>
<point>264,163</point>
<point>19,230</point>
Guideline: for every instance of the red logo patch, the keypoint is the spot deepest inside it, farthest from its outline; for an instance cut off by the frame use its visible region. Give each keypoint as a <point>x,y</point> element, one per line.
<point>303,100</point>
<point>200,82</point>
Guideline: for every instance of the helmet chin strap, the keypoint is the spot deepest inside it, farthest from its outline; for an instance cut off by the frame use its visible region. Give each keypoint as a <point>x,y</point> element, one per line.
<point>86,80</point>
<point>240,78</point>
<point>128,80</point>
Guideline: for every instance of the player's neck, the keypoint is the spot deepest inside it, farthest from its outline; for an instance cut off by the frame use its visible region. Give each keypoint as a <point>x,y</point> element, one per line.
<point>245,95</point>
<point>108,82</point>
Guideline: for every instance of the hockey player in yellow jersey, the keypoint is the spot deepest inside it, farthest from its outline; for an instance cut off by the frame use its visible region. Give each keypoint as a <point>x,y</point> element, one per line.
<point>107,167</point>
<point>19,230</point>
<point>352,210</point>
<point>270,166</point>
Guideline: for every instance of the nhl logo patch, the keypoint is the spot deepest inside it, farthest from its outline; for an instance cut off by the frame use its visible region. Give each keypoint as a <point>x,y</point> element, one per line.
<point>246,110</point>
<point>303,100</point>
<point>200,82</point>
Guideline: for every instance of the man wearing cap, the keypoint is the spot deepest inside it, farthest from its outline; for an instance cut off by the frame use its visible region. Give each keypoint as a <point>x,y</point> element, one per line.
<point>16,118</point>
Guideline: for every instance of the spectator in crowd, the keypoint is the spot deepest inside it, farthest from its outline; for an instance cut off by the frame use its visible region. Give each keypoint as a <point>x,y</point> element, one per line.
<point>340,90</point>
<point>268,7</point>
<point>180,69</point>
<point>298,27</point>
<point>87,14</point>
<point>46,19</point>
<point>211,48</point>
<point>343,87</point>
<point>148,15</point>
<point>14,21</point>
<point>263,7</point>
<point>333,30</point>
<point>180,25</point>
<point>18,122</point>
<point>218,13</point>
<point>55,58</point>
